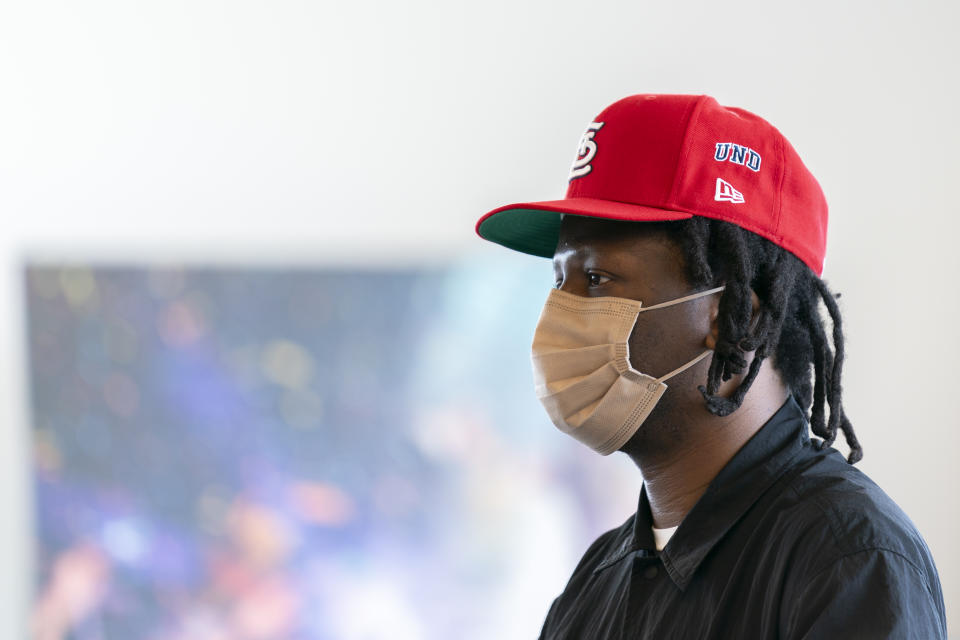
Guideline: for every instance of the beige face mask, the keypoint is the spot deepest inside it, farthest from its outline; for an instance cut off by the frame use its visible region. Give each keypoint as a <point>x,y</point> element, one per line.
<point>582,372</point>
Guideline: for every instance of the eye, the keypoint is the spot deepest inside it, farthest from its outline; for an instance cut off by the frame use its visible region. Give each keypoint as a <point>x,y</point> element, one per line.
<point>597,279</point>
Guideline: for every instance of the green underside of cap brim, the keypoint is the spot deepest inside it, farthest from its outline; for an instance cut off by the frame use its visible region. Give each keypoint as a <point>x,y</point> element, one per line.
<point>532,231</point>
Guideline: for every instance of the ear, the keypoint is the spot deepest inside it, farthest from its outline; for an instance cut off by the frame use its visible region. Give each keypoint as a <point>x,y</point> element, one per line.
<point>755,308</point>
<point>714,334</point>
<point>711,340</point>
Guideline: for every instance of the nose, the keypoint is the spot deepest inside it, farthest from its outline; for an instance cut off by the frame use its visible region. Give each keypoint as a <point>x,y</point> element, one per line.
<point>569,285</point>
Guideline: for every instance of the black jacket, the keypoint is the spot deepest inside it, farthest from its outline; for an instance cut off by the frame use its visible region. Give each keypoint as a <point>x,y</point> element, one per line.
<point>787,542</point>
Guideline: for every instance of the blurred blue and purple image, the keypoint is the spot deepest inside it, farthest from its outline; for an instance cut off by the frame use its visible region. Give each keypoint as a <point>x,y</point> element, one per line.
<point>307,454</point>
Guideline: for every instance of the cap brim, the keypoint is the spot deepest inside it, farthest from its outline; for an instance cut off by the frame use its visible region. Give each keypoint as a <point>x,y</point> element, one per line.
<point>533,227</point>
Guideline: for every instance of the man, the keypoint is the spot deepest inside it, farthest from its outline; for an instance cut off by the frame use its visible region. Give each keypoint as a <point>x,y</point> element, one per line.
<point>686,331</point>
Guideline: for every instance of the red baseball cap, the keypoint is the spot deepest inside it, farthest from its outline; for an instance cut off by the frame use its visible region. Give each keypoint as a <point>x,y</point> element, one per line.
<point>671,157</point>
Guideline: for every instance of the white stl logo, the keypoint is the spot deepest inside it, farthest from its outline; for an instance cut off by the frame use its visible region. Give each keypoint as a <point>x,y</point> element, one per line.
<point>726,193</point>
<point>586,151</point>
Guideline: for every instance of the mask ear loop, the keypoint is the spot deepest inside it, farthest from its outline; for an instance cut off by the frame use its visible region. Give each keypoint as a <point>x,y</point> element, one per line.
<point>684,367</point>
<point>670,303</point>
<point>693,296</point>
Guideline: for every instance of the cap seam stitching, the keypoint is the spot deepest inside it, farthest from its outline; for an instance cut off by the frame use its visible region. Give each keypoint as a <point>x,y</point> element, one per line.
<point>680,171</point>
<point>783,178</point>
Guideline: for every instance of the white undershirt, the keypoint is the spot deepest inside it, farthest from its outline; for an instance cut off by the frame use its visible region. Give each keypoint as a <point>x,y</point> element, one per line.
<point>662,536</point>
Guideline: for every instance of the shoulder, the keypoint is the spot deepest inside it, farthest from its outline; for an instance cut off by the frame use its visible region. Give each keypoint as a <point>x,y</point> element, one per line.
<point>851,543</point>
<point>845,512</point>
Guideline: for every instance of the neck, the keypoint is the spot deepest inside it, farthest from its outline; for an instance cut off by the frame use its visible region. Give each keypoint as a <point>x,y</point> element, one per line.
<point>677,476</point>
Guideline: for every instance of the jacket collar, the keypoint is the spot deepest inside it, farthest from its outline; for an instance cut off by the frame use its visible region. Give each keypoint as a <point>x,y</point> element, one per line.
<point>758,464</point>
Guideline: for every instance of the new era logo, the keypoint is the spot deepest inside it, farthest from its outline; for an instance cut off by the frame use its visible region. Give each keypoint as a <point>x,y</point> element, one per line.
<point>726,192</point>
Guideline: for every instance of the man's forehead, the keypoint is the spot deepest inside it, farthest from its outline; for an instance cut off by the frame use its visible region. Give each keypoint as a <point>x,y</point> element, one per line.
<point>630,252</point>
<point>583,233</point>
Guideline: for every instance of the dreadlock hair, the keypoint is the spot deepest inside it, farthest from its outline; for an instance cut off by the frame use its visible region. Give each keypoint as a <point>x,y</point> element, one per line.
<point>788,325</point>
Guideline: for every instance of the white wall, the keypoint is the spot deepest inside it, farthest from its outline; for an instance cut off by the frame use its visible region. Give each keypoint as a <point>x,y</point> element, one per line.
<point>377,132</point>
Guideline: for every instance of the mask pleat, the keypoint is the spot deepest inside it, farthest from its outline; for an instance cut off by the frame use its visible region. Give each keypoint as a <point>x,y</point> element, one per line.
<point>564,362</point>
<point>562,398</point>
